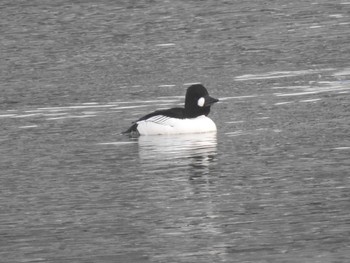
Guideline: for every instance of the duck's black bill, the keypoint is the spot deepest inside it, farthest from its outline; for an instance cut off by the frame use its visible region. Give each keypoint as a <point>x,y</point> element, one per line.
<point>210,101</point>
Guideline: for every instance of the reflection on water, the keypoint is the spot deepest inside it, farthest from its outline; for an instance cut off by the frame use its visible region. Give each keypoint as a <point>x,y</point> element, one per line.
<point>196,151</point>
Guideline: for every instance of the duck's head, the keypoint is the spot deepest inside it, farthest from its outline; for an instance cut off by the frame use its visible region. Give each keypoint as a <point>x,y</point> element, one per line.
<point>198,101</point>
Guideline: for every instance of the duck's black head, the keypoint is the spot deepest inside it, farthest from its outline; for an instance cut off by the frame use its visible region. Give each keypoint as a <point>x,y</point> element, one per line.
<point>198,101</point>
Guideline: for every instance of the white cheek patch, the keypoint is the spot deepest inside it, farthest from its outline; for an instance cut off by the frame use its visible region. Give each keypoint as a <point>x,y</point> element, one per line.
<point>201,102</point>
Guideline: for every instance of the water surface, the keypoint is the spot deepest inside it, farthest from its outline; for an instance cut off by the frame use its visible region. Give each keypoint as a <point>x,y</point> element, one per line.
<point>272,185</point>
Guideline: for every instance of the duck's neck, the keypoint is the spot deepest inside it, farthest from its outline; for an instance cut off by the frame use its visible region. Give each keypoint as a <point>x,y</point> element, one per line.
<point>195,111</point>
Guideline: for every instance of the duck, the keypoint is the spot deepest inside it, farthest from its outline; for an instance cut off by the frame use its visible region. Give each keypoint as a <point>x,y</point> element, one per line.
<point>190,119</point>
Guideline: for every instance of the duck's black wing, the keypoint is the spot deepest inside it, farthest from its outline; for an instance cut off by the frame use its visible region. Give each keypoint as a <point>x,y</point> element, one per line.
<point>178,113</point>
<point>171,113</point>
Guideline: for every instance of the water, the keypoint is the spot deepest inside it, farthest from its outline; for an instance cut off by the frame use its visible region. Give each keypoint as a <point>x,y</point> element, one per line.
<point>271,186</point>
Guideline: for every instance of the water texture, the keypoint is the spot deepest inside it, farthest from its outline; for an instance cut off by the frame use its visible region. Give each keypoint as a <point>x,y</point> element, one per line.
<point>272,185</point>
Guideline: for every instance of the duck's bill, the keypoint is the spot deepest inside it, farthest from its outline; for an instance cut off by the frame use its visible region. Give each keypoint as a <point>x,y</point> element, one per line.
<point>210,101</point>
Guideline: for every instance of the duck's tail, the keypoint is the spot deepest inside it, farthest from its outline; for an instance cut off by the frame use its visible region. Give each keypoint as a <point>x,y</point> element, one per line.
<point>132,131</point>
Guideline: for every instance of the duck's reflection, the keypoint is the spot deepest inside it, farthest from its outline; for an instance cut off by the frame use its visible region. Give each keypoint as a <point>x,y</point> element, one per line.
<point>194,151</point>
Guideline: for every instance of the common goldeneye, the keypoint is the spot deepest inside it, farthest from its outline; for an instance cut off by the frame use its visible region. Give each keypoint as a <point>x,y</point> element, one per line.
<point>191,119</point>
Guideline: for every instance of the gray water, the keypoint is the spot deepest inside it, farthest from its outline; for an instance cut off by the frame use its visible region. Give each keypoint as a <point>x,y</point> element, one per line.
<point>271,186</point>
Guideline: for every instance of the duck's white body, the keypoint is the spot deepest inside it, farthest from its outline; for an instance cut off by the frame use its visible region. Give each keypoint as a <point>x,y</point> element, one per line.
<point>166,125</point>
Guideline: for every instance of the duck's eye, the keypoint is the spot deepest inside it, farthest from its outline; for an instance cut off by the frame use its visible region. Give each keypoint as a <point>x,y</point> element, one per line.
<point>201,102</point>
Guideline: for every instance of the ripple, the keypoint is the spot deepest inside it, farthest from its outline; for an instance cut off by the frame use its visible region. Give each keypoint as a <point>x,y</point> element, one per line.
<point>235,133</point>
<point>71,117</point>
<point>7,115</point>
<point>342,148</point>
<point>165,45</point>
<point>166,86</point>
<point>320,87</point>
<point>238,97</point>
<point>115,143</point>
<point>310,100</point>
<point>129,107</point>
<point>262,118</point>
<point>278,74</point>
<point>283,102</point>
<point>26,115</point>
<point>295,94</point>
<point>233,122</point>
<point>28,126</point>
<point>345,72</point>
<point>77,107</point>
<point>191,83</point>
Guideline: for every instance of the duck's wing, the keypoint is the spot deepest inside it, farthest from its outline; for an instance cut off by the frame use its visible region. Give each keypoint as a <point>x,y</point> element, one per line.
<point>162,114</point>
<point>159,117</point>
